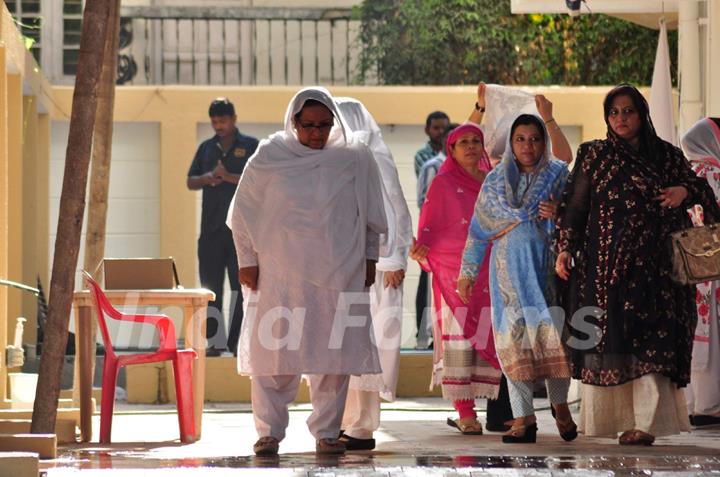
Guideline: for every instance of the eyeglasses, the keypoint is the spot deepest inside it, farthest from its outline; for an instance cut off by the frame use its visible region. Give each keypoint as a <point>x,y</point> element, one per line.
<point>322,127</point>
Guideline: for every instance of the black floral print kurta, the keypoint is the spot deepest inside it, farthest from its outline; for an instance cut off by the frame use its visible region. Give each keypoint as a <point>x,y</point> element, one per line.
<point>617,233</point>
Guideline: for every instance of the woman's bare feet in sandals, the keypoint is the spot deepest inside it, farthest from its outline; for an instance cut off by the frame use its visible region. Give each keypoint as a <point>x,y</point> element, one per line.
<point>523,431</point>
<point>466,425</point>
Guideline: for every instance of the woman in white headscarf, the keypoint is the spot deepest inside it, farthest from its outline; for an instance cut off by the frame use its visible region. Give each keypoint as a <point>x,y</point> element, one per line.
<point>702,147</point>
<point>362,410</point>
<point>306,221</point>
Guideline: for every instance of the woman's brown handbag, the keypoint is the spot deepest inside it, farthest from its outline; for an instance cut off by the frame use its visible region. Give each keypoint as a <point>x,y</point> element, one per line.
<point>696,254</point>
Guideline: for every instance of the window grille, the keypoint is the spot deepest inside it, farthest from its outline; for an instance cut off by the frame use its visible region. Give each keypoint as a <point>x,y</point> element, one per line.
<point>28,15</point>
<point>72,26</point>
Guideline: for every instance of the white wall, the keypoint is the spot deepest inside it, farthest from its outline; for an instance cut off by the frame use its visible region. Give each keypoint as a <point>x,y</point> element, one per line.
<point>243,52</point>
<point>133,224</point>
<point>133,221</point>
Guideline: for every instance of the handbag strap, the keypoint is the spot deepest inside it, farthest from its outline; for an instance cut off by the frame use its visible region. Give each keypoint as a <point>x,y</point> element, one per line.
<point>505,231</point>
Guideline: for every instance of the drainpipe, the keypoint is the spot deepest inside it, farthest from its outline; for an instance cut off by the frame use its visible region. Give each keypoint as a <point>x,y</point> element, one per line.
<point>691,97</point>
<point>713,76</point>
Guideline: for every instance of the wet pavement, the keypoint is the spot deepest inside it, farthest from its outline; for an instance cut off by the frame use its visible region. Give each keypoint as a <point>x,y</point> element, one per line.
<point>413,440</point>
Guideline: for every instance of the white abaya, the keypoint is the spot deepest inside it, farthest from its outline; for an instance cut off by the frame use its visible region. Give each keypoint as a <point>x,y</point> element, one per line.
<point>386,302</point>
<point>309,219</point>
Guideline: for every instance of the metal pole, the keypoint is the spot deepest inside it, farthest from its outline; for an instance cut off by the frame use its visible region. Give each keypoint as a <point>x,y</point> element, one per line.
<point>691,97</point>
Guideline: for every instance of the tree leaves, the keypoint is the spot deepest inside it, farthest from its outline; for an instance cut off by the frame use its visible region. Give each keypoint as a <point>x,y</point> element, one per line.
<point>464,41</point>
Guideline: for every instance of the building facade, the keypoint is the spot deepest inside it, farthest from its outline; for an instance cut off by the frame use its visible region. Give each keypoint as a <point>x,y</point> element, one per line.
<point>225,42</point>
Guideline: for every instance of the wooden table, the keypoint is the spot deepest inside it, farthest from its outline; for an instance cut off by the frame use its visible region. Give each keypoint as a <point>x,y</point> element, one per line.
<point>194,304</point>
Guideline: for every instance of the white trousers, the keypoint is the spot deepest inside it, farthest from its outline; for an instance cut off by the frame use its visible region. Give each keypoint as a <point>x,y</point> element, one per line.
<point>650,403</point>
<point>703,392</point>
<point>271,396</point>
<point>362,414</point>
<point>386,311</point>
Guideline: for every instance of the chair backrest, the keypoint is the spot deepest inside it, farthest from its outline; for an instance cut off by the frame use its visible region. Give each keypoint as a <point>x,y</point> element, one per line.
<point>102,306</point>
<point>163,324</point>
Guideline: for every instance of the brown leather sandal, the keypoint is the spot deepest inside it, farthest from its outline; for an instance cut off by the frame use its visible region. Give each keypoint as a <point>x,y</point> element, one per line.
<point>329,446</point>
<point>636,437</point>
<point>267,445</point>
<point>468,427</point>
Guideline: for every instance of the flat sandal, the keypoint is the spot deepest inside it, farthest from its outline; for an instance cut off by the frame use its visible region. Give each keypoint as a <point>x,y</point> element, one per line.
<point>636,438</point>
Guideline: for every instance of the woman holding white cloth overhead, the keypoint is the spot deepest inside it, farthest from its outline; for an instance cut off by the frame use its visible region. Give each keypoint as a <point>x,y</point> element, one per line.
<point>306,221</point>
<point>362,410</point>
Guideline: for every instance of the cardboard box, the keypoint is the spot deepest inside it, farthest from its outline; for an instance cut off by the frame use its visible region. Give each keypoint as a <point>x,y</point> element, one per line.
<point>140,273</point>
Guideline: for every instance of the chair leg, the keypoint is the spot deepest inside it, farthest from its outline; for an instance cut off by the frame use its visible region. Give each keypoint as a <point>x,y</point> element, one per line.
<point>107,404</point>
<point>183,370</point>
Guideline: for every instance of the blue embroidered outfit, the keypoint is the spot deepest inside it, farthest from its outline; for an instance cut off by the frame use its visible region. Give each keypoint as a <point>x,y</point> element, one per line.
<point>522,282</point>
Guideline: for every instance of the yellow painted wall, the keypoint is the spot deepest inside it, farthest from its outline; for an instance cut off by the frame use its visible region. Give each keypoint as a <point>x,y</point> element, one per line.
<point>25,105</point>
<point>3,217</point>
<point>403,105</point>
<point>154,383</point>
<point>15,197</point>
<point>35,190</point>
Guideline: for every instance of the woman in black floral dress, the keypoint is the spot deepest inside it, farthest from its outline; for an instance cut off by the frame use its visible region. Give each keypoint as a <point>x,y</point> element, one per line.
<point>632,326</point>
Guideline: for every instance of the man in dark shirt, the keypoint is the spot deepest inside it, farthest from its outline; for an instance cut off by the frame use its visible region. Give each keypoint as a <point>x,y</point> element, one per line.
<point>216,170</point>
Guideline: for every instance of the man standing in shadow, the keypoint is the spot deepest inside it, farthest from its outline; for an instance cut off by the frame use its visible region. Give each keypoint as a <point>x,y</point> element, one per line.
<point>216,169</point>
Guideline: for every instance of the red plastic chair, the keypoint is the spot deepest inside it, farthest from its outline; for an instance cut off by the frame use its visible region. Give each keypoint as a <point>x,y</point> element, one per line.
<point>182,360</point>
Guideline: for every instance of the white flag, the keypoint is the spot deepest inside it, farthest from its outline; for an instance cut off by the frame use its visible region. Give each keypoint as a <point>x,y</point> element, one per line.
<point>661,106</point>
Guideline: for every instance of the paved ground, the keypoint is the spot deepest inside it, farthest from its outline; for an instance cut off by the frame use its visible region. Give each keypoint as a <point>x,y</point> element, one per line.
<point>414,440</point>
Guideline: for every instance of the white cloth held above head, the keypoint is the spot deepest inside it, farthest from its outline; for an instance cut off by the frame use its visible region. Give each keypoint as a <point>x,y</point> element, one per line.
<point>503,105</point>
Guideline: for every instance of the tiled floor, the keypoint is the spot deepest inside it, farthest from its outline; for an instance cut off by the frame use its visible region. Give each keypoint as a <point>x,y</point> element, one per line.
<point>413,440</point>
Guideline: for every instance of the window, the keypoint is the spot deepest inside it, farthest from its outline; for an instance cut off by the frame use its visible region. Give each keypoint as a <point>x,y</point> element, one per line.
<point>72,26</point>
<point>27,14</point>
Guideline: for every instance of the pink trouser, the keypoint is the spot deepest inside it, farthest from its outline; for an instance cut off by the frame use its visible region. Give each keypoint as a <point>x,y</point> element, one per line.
<point>465,407</point>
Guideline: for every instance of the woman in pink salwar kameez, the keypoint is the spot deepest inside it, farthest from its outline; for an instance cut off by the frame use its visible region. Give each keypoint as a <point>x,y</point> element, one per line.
<point>465,362</point>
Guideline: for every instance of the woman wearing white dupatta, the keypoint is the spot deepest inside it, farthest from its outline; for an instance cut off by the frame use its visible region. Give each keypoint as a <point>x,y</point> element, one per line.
<point>306,221</point>
<point>702,147</point>
<point>362,410</point>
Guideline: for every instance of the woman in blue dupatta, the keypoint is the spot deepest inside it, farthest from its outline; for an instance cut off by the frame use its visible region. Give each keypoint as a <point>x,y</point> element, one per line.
<point>515,213</point>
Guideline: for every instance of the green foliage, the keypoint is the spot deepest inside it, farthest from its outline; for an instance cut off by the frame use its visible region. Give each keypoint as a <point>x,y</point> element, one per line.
<point>28,42</point>
<point>464,41</point>
<point>30,32</point>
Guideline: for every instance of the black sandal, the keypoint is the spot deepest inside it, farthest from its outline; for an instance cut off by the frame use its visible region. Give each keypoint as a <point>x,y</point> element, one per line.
<point>353,443</point>
<point>528,436</point>
<point>570,433</point>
